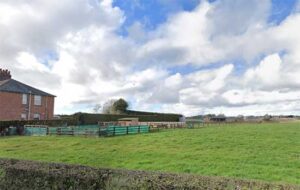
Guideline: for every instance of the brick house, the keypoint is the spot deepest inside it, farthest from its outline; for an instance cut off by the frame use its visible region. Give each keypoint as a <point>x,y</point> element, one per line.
<point>19,101</point>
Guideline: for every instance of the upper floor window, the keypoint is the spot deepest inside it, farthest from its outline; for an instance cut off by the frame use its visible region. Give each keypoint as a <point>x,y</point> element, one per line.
<point>37,100</point>
<point>24,98</point>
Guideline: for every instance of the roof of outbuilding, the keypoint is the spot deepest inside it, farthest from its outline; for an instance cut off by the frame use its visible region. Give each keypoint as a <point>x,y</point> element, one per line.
<point>14,86</point>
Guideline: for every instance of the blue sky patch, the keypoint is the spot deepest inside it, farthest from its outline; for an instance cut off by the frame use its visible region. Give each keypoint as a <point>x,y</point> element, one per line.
<point>48,56</point>
<point>281,9</point>
<point>151,13</point>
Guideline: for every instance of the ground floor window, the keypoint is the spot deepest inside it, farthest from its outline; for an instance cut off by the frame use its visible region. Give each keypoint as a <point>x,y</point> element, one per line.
<point>23,116</point>
<point>36,116</point>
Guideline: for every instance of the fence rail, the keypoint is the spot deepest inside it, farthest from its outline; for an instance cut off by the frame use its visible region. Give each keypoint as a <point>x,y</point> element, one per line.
<point>91,130</point>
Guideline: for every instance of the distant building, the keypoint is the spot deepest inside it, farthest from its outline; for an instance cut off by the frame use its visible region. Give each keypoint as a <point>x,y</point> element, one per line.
<point>215,118</point>
<point>19,101</point>
<point>218,119</point>
<point>128,121</point>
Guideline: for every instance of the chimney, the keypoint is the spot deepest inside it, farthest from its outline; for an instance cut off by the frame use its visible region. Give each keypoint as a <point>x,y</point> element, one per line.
<point>4,74</point>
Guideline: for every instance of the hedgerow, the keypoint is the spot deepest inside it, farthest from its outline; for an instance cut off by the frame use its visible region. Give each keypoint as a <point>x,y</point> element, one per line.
<point>18,174</point>
<point>56,122</point>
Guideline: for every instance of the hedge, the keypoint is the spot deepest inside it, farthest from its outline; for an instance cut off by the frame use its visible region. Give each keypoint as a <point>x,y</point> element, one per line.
<point>16,174</point>
<point>57,122</point>
<point>133,112</point>
<point>91,119</point>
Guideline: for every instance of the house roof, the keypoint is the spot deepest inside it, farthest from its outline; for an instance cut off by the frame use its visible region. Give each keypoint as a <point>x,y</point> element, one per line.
<point>14,86</point>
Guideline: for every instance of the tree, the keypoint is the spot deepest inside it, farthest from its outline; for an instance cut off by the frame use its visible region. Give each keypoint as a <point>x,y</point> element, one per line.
<point>120,105</point>
<point>108,107</point>
<point>267,117</point>
<point>115,106</point>
<point>97,108</point>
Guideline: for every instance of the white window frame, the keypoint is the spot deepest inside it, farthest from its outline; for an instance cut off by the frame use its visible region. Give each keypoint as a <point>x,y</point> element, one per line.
<point>37,100</point>
<point>24,99</point>
<point>23,116</point>
<point>37,116</point>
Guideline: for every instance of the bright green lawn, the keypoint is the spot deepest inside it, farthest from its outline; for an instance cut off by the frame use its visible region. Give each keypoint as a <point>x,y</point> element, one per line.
<point>268,152</point>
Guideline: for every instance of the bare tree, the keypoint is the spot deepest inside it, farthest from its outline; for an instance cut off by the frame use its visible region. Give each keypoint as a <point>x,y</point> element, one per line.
<point>108,107</point>
<point>97,108</point>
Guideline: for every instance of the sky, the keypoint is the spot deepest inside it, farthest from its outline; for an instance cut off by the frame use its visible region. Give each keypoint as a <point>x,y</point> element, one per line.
<point>192,57</point>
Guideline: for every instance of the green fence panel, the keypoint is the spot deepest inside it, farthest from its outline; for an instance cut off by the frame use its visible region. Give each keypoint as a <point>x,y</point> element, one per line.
<point>52,130</point>
<point>87,130</point>
<point>75,130</point>
<point>12,131</point>
<point>35,131</point>
<point>123,130</point>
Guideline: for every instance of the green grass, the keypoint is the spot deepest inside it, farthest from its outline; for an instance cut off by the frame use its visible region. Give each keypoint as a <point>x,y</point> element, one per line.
<point>269,152</point>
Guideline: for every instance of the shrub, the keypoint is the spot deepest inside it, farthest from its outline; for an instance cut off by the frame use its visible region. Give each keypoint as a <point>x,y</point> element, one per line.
<point>36,175</point>
<point>58,122</point>
<point>90,119</point>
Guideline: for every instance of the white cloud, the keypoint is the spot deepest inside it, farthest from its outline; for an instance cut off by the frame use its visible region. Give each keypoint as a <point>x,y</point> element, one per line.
<point>267,73</point>
<point>92,62</point>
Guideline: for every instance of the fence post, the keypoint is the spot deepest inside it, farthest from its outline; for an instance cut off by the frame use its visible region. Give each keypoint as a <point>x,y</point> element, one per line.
<point>114,132</point>
<point>139,129</point>
<point>127,130</point>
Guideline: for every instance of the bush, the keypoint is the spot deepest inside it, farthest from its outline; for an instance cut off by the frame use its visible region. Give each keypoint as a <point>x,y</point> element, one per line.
<point>36,175</point>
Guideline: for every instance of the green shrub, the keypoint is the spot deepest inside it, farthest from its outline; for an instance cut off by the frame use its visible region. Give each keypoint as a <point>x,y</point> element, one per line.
<point>57,122</point>
<point>2,174</point>
<point>37,175</point>
<point>91,119</point>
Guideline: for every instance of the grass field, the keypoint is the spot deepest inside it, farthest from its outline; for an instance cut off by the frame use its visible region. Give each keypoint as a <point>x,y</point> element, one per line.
<point>269,152</point>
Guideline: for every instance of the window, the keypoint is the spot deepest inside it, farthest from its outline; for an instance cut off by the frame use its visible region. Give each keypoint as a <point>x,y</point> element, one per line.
<point>36,116</point>
<point>24,98</point>
<point>37,100</point>
<point>23,116</point>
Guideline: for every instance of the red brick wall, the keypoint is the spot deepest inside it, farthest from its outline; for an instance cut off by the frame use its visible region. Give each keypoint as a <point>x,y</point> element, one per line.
<point>11,107</point>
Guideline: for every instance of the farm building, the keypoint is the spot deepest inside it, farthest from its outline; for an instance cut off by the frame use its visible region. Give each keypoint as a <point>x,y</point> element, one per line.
<point>128,121</point>
<point>19,101</point>
<point>219,118</point>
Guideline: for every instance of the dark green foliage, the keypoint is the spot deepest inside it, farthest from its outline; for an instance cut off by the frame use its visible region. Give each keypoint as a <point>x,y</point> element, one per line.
<point>91,119</point>
<point>120,106</point>
<point>36,175</point>
<point>58,122</point>
<point>133,112</point>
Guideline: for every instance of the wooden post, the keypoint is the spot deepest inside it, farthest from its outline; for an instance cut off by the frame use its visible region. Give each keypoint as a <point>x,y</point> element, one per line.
<point>139,129</point>
<point>127,130</point>
<point>114,132</point>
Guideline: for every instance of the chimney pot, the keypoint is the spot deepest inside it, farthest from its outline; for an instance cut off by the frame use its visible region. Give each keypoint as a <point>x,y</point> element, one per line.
<point>4,74</point>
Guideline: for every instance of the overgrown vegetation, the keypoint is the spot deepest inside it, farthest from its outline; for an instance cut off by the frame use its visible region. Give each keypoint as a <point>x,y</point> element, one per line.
<point>267,152</point>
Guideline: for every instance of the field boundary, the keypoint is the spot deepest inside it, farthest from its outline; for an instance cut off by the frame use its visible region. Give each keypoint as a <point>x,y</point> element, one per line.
<point>18,174</point>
